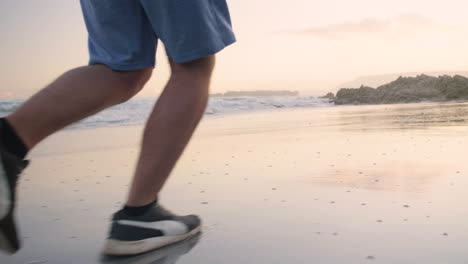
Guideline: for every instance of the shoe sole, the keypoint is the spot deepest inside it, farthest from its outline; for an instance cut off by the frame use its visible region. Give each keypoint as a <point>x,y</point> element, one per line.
<point>115,247</point>
<point>163,255</point>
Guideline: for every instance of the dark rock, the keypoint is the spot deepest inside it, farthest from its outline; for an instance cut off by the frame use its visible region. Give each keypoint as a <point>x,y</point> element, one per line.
<point>408,90</point>
<point>329,96</point>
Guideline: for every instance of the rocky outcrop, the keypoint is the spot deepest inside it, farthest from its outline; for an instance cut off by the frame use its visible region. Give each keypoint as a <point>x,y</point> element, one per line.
<point>329,96</point>
<point>407,90</point>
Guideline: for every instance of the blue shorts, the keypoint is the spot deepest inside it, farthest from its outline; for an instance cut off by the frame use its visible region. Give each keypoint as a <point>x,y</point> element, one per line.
<point>123,34</point>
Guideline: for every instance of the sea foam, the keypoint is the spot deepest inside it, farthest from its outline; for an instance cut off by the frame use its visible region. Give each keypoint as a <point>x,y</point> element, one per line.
<point>137,110</point>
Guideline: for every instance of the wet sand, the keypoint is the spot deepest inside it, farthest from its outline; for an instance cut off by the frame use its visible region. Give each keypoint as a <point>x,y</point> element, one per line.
<point>353,184</point>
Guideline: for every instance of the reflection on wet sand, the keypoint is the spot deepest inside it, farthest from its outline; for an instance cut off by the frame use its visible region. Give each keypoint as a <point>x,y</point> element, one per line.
<point>403,176</point>
<point>399,117</point>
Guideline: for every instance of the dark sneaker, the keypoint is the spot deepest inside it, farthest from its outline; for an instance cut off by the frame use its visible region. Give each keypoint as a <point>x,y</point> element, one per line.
<point>167,255</point>
<point>130,235</point>
<point>10,168</point>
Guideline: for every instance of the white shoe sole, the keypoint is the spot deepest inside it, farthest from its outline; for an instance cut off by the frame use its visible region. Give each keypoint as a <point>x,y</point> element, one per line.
<point>121,248</point>
<point>5,202</point>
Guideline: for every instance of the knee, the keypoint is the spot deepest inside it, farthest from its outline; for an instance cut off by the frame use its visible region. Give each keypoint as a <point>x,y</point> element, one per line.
<point>199,69</point>
<point>132,82</point>
<point>193,79</point>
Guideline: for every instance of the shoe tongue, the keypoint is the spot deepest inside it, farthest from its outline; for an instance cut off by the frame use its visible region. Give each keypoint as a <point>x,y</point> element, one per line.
<point>163,211</point>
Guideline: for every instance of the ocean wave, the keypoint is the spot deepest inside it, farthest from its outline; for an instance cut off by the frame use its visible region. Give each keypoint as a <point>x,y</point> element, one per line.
<point>136,111</point>
<point>8,106</point>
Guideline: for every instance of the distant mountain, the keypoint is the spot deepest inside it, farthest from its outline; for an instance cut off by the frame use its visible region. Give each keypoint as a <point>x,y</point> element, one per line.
<point>406,90</point>
<point>378,80</point>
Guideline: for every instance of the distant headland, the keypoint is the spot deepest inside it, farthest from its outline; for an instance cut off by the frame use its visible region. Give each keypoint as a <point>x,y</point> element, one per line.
<point>421,88</point>
<point>256,93</point>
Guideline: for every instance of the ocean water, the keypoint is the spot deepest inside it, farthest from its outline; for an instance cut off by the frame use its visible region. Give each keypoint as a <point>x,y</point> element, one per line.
<point>136,111</point>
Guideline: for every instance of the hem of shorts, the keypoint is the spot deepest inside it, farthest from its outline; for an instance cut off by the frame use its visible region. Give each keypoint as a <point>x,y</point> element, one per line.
<point>125,67</point>
<point>203,52</point>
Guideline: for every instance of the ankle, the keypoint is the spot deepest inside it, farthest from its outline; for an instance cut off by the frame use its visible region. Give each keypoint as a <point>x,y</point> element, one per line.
<point>11,140</point>
<point>139,210</point>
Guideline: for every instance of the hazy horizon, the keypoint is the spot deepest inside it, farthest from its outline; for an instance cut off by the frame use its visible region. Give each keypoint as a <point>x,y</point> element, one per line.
<point>308,46</point>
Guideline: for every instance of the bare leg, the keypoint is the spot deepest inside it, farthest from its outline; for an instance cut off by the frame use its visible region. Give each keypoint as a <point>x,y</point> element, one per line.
<point>170,127</point>
<point>75,95</point>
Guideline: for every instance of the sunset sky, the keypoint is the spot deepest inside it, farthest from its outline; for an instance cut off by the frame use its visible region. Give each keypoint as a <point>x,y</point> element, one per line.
<point>305,45</point>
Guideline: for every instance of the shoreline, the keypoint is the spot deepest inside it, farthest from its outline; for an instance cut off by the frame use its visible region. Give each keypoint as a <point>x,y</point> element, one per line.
<point>333,176</point>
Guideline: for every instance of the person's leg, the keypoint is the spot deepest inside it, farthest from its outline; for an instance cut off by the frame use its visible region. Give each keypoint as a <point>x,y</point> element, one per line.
<point>75,95</point>
<point>143,224</point>
<point>170,127</point>
<point>192,32</point>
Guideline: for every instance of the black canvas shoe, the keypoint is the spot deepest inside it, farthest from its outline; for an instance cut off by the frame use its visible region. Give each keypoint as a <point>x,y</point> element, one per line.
<point>130,235</point>
<point>10,167</point>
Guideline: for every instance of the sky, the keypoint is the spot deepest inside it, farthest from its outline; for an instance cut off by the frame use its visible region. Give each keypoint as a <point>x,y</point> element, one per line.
<point>311,46</point>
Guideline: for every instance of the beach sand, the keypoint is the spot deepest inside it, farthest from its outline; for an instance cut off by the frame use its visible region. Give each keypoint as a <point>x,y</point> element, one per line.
<point>352,184</point>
